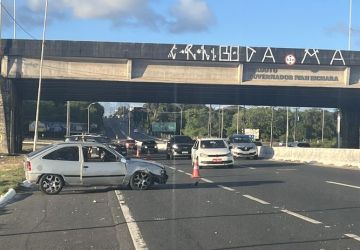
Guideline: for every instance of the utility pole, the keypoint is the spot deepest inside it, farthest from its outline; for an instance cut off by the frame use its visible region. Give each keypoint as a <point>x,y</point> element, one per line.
<point>222,122</point>
<point>209,122</point>
<point>287,126</point>
<point>237,119</point>
<point>271,126</point>
<point>322,125</point>
<point>15,18</point>
<point>40,78</point>
<point>295,120</point>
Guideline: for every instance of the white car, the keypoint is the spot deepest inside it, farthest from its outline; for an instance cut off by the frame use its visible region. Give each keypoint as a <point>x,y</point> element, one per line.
<point>211,152</point>
<point>243,146</point>
<point>88,163</point>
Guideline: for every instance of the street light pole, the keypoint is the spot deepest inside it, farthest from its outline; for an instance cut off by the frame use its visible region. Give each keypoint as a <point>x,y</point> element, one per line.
<point>287,126</point>
<point>271,126</point>
<point>88,123</point>
<point>322,125</point>
<point>40,78</point>
<point>237,119</point>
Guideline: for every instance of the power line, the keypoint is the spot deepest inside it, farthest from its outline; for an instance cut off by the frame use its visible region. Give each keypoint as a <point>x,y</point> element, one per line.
<point>18,24</point>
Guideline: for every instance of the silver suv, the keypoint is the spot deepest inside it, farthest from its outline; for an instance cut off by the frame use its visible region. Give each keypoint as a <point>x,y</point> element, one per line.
<point>243,146</point>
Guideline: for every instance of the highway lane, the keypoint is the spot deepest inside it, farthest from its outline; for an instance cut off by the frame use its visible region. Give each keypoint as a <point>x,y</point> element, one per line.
<point>257,205</point>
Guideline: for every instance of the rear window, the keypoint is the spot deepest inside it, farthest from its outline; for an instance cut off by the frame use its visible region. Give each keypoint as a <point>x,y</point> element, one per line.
<point>213,144</point>
<point>39,150</point>
<point>183,139</point>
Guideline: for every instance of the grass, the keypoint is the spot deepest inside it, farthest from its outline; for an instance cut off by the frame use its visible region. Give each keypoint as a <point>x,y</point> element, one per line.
<point>11,173</point>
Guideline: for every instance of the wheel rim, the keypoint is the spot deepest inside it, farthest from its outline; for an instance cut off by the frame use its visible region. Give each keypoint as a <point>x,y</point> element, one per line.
<point>142,180</point>
<point>51,184</point>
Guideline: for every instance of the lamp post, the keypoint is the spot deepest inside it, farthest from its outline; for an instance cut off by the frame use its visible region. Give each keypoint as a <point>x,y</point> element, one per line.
<point>287,127</point>
<point>88,123</point>
<point>181,116</point>
<point>271,126</point>
<point>40,78</point>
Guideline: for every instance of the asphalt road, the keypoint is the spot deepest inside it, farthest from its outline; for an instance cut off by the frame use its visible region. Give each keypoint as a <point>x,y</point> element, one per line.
<point>257,205</point>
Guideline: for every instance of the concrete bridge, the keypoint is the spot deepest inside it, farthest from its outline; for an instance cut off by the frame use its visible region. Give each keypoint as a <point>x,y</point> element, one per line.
<point>177,73</point>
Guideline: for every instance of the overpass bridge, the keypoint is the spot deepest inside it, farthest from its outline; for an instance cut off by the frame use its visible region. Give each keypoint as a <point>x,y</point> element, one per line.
<point>177,73</point>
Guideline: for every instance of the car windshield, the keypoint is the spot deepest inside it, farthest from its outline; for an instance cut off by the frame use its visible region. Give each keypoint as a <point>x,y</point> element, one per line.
<point>242,139</point>
<point>183,139</point>
<point>149,142</point>
<point>213,144</point>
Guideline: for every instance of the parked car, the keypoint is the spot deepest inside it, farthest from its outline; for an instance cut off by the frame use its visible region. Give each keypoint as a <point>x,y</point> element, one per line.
<point>211,152</point>
<point>179,146</point>
<point>88,163</point>
<point>130,144</point>
<point>243,146</point>
<point>149,146</point>
<point>118,147</point>
<point>299,144</point>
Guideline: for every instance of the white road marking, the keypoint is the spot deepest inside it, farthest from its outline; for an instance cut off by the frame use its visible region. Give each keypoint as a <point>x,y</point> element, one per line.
<point>226,188</point>
<point>207,180</point>
<point>256,199</point>
<point>134,230</point>
<point>181,171</point>
<point>286,169</point>
<point>188,174</point>
<point>252,168</point>
<point>301,216</point>
<point>172,168</point>
<point>342,184</point>
<point>353,236</point>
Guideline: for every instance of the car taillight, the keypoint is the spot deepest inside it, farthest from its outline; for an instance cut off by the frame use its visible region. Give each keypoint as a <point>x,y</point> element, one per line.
<point>28,166</point>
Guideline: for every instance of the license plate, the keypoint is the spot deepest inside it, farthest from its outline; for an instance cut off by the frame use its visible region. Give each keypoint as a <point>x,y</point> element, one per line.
<point>184,152</point>
<point>216,160</point>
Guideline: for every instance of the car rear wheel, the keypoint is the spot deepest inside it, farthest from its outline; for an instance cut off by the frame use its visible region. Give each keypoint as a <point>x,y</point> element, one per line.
<point>141,180</point>
<point>51,184</point>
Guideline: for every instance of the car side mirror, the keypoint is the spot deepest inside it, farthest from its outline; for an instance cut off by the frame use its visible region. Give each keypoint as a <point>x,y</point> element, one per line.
<point>123,160</point>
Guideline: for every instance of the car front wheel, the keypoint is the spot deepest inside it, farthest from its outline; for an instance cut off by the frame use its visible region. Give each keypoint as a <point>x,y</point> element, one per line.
<point>141,181</point>
<point>51,184</point>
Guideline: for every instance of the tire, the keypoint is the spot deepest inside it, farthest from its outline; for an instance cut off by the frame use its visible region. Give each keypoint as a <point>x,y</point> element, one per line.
<point>167,156</point>
<point>141,180</point>
<point>231,166</point>
<point>51,184</point>
<point>255,157</point>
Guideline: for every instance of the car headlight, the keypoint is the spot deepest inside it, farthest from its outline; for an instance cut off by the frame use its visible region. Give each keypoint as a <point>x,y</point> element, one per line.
<point>155,146</point>
<point>145,146</point>
<point>175,146</point>
<point>203,155</point>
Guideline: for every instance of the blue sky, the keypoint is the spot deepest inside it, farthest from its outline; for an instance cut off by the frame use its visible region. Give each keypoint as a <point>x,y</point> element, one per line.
<point>321,24</point>
<point>276,23</point>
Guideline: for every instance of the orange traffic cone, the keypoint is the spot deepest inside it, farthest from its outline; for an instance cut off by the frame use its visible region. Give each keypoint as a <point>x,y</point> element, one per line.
<point>137,153</point>
<point>196,172</point>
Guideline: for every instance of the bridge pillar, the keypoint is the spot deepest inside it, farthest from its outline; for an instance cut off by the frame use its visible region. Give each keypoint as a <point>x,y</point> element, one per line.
<point>350,124</point>
<point>10,118</point>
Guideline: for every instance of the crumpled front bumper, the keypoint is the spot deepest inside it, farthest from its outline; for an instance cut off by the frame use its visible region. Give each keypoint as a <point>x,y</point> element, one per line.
<point>161,179</point>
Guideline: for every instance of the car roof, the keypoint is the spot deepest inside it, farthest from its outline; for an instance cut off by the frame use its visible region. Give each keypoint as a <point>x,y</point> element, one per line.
<point>210,139</point>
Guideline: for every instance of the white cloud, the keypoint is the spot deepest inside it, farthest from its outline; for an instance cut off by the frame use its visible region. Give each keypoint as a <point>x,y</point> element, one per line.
<point>185,15</point>
<point>191,15</point>
<point>120,12</point>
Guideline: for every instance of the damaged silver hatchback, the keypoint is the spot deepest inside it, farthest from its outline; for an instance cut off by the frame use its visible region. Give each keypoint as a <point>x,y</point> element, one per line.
<point>89,164</point>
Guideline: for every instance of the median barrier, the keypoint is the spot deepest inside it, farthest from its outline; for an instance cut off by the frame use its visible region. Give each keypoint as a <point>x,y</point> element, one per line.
<point>326,156</point>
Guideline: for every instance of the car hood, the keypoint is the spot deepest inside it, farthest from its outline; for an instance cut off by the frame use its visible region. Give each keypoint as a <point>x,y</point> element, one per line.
<point>244,144</point>
<point>143,163</point>
<point>215,151</point>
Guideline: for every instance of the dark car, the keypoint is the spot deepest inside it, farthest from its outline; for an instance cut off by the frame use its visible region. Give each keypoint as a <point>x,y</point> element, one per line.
<point>299,144</point>
<point>130,144</point>
<point>120,148</point>
<point>149,146</point>
<point>179,146</point>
